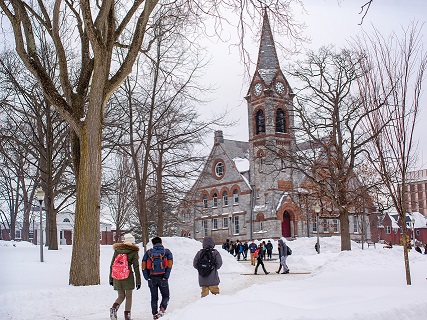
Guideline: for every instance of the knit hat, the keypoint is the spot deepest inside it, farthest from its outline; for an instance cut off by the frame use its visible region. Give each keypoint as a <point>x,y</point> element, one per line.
<point>129,238</point>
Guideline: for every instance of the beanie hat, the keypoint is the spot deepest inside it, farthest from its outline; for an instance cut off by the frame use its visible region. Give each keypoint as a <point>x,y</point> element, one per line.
<point>129,238</point>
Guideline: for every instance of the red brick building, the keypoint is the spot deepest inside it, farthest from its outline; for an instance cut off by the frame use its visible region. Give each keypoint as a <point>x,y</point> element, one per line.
<point>390,229</point>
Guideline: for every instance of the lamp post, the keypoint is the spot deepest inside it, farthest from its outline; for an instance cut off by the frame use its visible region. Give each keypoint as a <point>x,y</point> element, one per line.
<point>317,211</point>
<point>40,197</point>
<point>413,230</point>
<point>230,218</point>
<point>33,218</point>
<point>308,217</point>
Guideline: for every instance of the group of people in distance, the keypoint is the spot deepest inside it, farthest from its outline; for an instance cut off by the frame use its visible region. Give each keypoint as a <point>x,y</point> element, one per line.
<point>258,253</point>
<point>156,267</point>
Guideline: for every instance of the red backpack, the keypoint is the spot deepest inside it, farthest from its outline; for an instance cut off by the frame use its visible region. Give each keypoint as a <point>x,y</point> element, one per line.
<point>120,269</point>
<point>256,253</point>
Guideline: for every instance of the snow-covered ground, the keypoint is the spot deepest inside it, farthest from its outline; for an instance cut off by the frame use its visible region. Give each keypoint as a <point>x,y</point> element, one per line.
<point>360,284</point>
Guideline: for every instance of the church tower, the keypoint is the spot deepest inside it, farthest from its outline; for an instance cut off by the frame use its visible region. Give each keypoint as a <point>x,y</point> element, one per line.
<point>270,117</point>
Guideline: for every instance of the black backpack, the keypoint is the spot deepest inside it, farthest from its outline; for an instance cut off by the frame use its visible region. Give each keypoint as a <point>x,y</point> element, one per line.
<point>206,262</point>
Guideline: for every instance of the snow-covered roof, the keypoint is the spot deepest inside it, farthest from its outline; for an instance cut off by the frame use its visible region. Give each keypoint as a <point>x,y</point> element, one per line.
<point>420,220</point>
<point>260,207</point>
<point>246,181</point>
<point>279,204</point>
<point>242,164</point>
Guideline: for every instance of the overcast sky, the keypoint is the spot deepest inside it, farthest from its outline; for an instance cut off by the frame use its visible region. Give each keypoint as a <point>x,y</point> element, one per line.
<point>328,22</point>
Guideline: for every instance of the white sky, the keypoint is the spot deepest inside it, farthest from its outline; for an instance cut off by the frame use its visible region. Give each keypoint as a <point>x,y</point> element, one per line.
<point>328,22</point>
<point>333,285</point>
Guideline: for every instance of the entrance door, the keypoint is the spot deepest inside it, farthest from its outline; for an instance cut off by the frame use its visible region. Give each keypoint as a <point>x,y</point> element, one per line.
<point>68,237</point>
<point>286,225</point>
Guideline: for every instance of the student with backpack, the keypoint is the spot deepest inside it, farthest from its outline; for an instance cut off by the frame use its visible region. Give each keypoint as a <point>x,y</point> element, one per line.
<point>121,275</point>
<point>259,255</point>
<point>156,268</point>
<point>207,262</point>
<point>284,251</point>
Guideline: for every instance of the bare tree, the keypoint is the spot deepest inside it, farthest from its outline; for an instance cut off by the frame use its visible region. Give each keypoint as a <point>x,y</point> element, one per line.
<point>330,116</point>
<point>120,185</point>
<point>88,78</point>
<point>39,135</point>
<point>163,124</point>
<point>391,89</point>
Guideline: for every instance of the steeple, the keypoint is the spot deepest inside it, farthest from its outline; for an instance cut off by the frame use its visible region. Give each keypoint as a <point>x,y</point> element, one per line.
<point>268,64</point>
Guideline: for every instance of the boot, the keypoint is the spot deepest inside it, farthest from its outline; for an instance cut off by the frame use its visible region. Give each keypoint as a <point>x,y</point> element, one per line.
<point>113,311</point>
<point>127,315</point>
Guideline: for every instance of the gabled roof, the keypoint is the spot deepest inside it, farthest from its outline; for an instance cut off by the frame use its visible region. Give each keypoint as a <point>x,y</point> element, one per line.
<point>420,220</point>
<point>236,149</point>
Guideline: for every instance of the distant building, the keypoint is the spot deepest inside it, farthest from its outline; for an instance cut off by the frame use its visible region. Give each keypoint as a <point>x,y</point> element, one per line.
<point>246,189</point>
<point>65,229</point>
<point>390,228</point>
<point>416,191</point>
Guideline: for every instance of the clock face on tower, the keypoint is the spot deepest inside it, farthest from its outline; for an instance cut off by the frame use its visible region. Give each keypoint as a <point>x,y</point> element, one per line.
<point>280,87</point>
<point>258,89</point>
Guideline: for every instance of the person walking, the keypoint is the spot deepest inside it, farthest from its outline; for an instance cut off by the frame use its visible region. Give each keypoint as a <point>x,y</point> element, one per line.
<point>208,281</point>
<point>231,250</point>
<point>283,255</point>
<point>260,256</point>
<point>245,250</point>
<point>264,249</point>
<point>239,249</point>
<point>156,268</point>
<point>252,248</point>
<point>280,255</point>
<point>124,252</point>
<point>269,247</point>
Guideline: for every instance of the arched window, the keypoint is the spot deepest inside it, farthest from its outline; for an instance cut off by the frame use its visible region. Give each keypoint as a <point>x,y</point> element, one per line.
<point>219,169</point>
<point>225,198</point>
<point>236,196</point>
<point>215,200</point>
<point>205,201</point>
<point>66,220</point>
<point>260,122</point>
<point>280,121</point>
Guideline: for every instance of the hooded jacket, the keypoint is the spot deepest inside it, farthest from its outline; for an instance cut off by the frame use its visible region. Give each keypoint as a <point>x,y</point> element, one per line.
<point>213,278</point>
<point>133,259</point>
<point>283,250</point>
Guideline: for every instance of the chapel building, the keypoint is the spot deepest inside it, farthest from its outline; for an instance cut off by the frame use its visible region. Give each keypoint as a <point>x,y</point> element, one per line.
<point>247,190</point>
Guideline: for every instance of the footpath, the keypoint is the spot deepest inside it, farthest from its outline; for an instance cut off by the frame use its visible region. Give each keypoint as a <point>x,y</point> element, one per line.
<point>261,278</point>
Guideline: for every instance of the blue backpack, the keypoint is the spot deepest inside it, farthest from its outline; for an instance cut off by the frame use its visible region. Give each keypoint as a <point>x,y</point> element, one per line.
<point>157,262</point>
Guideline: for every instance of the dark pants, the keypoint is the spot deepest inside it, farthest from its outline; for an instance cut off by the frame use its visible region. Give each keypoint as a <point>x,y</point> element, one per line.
<point>259,262</point>
<point>156,284</point>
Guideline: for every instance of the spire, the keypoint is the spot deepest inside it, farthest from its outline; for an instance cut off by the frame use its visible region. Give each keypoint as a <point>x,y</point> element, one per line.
<point>267,64</point>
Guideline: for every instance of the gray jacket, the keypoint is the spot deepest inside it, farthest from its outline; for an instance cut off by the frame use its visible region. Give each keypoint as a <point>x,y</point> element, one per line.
<point>283,251</point>
<point>212,279</point>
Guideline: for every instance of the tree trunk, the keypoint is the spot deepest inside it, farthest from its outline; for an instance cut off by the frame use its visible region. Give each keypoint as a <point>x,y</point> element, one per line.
<point>345,231</point>
<point>51,226</point>
<point>405,250</point>
<point>84,269</point>
<point>160,197</point>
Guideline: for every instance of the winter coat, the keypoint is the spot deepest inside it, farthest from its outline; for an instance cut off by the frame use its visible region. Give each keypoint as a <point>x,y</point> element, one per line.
<point>283,249</point>
<point>252,247</point>
<point>133,259</point>
<point>213,278</point>
<point>261,253</point>
<point>269,247</point>
<point>157,248</point>
<point>245,247</point>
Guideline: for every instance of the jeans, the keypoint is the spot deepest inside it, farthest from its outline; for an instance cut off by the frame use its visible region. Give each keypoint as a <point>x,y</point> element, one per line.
<point>156,284</point>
